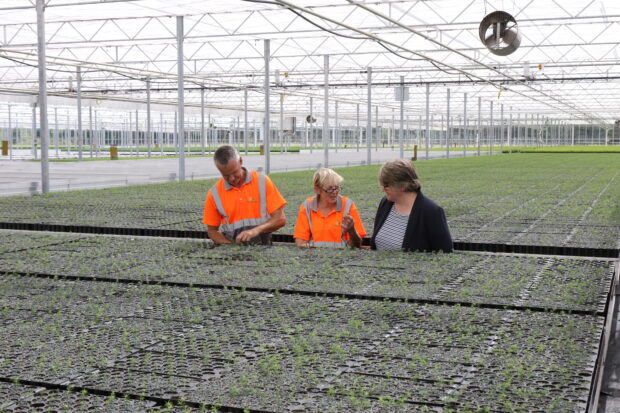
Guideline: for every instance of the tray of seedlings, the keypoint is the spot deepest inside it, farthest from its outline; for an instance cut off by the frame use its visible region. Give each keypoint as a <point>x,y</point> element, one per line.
<point>262,351</point>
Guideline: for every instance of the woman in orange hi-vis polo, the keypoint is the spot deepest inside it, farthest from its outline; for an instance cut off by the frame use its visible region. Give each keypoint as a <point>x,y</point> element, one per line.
<point>328,219</point>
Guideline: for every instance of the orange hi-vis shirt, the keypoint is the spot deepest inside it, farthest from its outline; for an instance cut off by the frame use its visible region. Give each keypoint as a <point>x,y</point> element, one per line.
<point>326,231</point>
<point>241,208</point>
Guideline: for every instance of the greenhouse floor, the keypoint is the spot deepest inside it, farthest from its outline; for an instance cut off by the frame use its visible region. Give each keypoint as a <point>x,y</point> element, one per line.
<point>23,177</point>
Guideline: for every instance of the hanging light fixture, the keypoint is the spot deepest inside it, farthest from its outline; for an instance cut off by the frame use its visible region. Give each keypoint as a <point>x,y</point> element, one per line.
<point>499,33</point>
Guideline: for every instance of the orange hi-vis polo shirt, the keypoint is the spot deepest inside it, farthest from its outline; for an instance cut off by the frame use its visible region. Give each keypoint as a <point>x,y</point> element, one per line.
<point>326,231</point>
<point>236,209</point>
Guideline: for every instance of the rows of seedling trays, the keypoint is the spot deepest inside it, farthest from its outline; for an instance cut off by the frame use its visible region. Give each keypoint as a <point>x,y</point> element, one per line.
<point>120,324</point>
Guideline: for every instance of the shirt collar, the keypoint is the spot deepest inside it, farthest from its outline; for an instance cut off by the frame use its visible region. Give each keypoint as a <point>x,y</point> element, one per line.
<point>248,179</point>
<point>315,203</point>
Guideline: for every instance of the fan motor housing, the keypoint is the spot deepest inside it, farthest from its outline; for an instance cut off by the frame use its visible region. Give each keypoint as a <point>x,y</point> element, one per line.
<point>504,37</point>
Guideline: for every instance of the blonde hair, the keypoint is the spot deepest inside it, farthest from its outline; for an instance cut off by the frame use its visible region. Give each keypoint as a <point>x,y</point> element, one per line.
<point>400,174</point>
<point>326,177</point>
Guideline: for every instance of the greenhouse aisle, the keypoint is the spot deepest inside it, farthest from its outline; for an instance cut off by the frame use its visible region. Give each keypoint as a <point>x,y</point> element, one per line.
<point>23,177</point>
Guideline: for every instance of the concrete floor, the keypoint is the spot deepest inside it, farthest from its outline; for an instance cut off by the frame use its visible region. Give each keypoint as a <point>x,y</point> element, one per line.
<point>23,176</point>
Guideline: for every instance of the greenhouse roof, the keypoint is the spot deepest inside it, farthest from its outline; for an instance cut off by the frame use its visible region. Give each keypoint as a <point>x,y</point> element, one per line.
<point>566,67</point>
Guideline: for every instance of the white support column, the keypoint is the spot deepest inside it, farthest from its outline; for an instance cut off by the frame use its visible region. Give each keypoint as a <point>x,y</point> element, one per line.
<point>419,140</point>
<point>501,128</point>
<point>10,135</point>
<point>357,123</point>
<point>45,177</point>
<point>202,121</point>
<point>448,124</point>
<point>510,132</point>
<point>149,138</point>
<point>311,125</point>
<point>479,124</point>
<point>79,112</point>
<point>98,134</point>
<point>245,121</point>
<point>137,135</point>
<point>326,112</point>
<point>266,126</point>
<point>281,122</point>
<point>379,129</point>
<point>491,130</point>
<point>428,118</point>
<point>336,136</point>
<point>34,131</point>
<point>56,136</point>
<point>90,128</point>
<point>465,130</point>
<point>401,136</point>
<point>369,116</point>
<point>181,98</point>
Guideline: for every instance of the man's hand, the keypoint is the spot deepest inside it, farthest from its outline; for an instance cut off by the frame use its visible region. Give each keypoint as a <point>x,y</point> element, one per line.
<point>247,235</point>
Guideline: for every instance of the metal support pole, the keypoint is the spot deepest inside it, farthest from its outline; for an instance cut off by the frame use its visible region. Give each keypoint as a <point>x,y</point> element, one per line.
<point>491,130</point>
<point>479,123</point>
<point>266,137</point>
<point>245,121</point>
<point>510,132</point>
<point>202,120</point>
<point>79,112</point>
<point>336,136</point>
<point>181,98</point>
<point>311,125</point>
<point>45,185</point>
<point>572,142</point>
<point>98,134</point>
<point>401,137</point>
<point>56,136</point>
<point>326,112</point>
<point>501,129</point>
<point>465,130</point>
<point>161,134</point>
<point>419,140</point>
<point>137,135</point>
<point>90,128</point>
<point>281,122</point>
<point>369,116</point>
<point>34,131</point>
<point>10,135</point>
<point>148,117</point>
<point>428,118</point>
<point>448,124</point>
<point>357,126</point>
<point>379,129</point>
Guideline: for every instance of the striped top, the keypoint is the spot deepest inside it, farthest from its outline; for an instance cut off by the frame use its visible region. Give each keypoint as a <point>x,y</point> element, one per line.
<point>392,232</point>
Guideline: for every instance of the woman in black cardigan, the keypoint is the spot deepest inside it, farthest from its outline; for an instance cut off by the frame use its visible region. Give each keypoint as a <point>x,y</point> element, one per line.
<point>406,219</point>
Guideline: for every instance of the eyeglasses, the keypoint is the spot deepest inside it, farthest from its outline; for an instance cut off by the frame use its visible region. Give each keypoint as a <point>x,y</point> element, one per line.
<point>331,189</point>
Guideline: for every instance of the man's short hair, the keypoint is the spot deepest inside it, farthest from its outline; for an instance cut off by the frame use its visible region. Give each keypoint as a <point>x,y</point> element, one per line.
<point>225,154</point>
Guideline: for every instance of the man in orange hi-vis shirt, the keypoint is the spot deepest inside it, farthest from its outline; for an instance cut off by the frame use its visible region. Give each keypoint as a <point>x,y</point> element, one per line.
<point>243,206</point>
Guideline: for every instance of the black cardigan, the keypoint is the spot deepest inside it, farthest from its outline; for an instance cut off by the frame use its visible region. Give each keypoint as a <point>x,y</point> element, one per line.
<point>427,229</point>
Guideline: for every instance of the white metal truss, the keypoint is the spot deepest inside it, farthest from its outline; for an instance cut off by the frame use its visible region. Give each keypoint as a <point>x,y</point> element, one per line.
<point>567,65</point>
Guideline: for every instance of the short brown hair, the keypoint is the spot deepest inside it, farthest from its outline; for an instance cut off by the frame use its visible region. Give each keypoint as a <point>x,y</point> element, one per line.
<point>400,174</point>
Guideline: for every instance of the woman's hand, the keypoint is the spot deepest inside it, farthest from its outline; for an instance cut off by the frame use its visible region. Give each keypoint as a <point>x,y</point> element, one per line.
<point>347,224</point>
